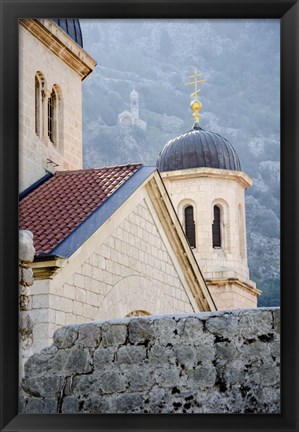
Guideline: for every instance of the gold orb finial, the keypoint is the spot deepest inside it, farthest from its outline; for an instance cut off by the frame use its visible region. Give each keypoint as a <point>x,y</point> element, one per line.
<point>195,104</point>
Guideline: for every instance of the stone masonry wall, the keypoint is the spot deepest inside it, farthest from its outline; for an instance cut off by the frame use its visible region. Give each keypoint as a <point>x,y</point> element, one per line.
<point>34,151</point>
<point>131,270</point>
<point>26,325</point>
<point>216,362</point>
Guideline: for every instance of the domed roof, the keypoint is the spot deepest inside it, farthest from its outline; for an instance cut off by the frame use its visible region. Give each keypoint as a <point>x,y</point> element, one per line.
<point>71,27</point>
<point>198,148</point>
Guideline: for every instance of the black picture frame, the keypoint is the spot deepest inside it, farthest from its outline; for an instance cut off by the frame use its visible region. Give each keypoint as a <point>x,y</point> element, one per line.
<point>288,12</point>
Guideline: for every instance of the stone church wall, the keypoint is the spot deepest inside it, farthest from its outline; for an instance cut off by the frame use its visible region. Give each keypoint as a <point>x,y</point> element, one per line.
<point>131,270</point>
<point>36,57</point>
<point>26,256</point>
<point>215,362</point>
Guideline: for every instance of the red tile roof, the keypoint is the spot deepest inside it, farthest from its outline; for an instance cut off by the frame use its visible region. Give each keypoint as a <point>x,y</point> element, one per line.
<point>55,208</point>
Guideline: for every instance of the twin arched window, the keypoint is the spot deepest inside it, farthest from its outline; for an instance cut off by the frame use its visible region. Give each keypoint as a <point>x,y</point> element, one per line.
<point>53,116</point>
<point>48,111</point>
<point>190,225</point>
<point>216,227</point>
<point>39,89</point>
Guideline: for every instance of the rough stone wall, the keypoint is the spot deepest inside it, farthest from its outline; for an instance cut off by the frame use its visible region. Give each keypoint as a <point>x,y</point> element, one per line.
<point>35,57</point>
<point>218,362</point>
<point>26,255</point>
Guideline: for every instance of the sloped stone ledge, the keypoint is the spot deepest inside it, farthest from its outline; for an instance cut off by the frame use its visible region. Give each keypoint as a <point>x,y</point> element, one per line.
<point>218,362</point>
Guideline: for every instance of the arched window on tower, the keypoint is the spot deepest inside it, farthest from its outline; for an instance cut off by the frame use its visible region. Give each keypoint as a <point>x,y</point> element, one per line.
<point>52,117</point>
<point>216,228</point>
<point>55,117</point>
<point>39,87</point>
<point>190,225</point>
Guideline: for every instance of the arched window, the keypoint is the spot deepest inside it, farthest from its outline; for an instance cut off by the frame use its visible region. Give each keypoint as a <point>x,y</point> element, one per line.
<point>190,225</point>
<point>39,87</point>
<point>137,313</point>
<point>52,116</point>
<point>216,228</point>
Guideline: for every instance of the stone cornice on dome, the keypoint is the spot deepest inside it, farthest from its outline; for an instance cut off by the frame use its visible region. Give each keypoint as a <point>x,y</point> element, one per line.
<point>239,176</point>
<point>61,44</point>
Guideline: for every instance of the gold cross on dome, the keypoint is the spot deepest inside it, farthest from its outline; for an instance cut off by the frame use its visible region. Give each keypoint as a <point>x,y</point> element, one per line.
<point>195,82</point>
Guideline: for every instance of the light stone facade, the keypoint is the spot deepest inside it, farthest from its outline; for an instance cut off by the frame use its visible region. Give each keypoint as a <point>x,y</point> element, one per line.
<point>225,269</point>
<point>45,50</point>
<point>127,265</point>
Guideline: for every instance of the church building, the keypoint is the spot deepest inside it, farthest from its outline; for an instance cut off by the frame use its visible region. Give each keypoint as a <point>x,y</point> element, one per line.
<point>108,243</point>
<point>125,240</point>
<point>127,119</point>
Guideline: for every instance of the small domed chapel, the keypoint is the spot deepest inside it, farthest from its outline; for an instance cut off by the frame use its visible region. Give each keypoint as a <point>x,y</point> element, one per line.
<point>124,240</point>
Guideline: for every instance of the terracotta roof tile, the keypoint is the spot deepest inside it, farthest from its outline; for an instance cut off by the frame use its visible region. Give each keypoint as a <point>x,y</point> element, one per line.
<point>55,208</point>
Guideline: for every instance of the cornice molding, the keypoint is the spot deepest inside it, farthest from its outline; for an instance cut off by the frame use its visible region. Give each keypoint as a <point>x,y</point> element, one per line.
<point>239,176</point>
<point>54,38</point>
<point>234,281</point>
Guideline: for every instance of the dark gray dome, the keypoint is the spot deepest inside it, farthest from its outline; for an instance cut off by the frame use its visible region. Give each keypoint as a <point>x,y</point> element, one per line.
<point>72,27</point>
<point>198,148</point>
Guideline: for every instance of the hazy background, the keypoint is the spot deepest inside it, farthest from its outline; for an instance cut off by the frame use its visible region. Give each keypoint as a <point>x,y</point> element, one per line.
<point>240,60</point>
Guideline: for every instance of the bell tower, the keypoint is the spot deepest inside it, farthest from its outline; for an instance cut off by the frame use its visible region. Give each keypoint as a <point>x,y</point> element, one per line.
<point>202,173</point>
<point>50,101</point>
<point>134,104</point>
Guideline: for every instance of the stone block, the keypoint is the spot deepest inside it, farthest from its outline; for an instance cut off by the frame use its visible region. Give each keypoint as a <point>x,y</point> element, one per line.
<point>40,363</point>
<point>255,324</point>
<point>140,330</point>
<point>96,404</point>
<point>139,378</point>
<point>112,382</point>
<point>165,330</point>
<point>26,248</point>
<point>185,355</point>
<point>34,406</point>
<point>81,385</point>
<point>103,357</point>
<point>70,405</point>
<point>43,386</point>
<point>203,376</point>
<point>72,361</point>
<point>160,356</point>
<point>89,336</point>
<point>27,276</point>
<point>167,377</point>
<point>69,291</point>
<point>130,354</point>
<point>191,329</point>
<point>65,337</point>
<point>127,403</point>
<point>50,405</point>
<point>113,334</point>
<point>225,326</point>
